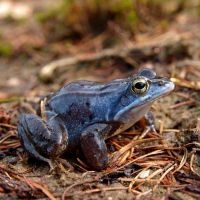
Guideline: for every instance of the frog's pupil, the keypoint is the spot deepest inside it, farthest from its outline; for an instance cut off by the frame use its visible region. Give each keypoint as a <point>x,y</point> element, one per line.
<point>139,85</point>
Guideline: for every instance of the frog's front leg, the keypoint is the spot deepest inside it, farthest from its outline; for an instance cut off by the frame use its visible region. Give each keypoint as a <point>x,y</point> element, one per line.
<point>43,140</point>
<point>150,121</point>
<point>93,145</point>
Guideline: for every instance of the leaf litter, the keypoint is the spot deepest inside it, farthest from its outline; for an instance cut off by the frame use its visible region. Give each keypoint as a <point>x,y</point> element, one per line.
<point>142,163</point>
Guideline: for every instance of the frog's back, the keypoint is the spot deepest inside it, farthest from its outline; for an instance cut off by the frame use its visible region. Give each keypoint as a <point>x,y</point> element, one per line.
<point>82,95</point>
<point>90,87</point>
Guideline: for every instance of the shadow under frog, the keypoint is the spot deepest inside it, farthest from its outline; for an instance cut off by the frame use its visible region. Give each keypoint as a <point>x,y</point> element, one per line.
<point>83,114</point>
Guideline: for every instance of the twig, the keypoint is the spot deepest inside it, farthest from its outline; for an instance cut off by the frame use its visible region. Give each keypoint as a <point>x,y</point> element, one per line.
<point>182,104</point>
<point>44,189</point>
<point>42,109</point>
<point>183,160</point>
<point>95,191</point>
<point>138,180</point>
<point>32,184</point>
<point>5,138</point>
<point>191,163</point>
<point>169,168</point>
<point>185,83</point>
<point>134,53</point>
<point>74,185</point>
<point>10,99</point>
<point>133,143</point>
<point>136,177</point>
<point>8,125</point>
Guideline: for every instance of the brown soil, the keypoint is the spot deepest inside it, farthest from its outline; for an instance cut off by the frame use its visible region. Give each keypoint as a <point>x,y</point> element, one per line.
<point>172,53</point>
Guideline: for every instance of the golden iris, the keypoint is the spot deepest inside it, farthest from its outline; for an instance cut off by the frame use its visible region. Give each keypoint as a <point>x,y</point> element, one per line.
<point>140,85</point>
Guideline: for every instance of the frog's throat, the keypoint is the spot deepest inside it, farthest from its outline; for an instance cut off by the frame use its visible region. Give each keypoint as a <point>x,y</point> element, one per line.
<point>131,116</point>
<point>130,111</point>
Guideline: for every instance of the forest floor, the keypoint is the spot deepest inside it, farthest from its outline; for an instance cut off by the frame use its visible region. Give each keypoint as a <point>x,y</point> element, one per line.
<point>162,165</point>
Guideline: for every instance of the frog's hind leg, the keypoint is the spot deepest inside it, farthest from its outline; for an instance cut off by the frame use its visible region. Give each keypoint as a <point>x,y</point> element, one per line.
<point>93,146</point>
<point>42,140</point>
<point>29,147</point>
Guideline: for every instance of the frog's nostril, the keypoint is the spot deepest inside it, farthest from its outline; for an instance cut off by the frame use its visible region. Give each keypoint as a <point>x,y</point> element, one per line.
<point>161,82</point>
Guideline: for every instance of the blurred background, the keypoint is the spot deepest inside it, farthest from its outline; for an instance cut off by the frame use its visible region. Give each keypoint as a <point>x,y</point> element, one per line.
<point>34,33</point>
<point>45,44</point>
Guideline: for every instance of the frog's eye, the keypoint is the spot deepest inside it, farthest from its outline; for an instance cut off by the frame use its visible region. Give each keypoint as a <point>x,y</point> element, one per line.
<point>140,85</point>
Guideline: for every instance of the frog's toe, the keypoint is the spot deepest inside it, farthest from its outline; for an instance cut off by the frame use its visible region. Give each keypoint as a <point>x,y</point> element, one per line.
<point>150,122</point>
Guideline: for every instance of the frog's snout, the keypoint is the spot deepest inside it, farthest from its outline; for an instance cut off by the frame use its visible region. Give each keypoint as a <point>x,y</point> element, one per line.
<point>170,86</point>
<point>166,85</point>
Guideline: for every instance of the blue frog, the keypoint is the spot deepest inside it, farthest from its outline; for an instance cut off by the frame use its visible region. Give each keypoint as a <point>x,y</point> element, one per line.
<point>83,114</point>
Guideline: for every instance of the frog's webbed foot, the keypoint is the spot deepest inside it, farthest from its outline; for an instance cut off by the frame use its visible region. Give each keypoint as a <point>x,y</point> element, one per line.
<point>93,146</point>
<point>42,140</point>
<point>150,123</point>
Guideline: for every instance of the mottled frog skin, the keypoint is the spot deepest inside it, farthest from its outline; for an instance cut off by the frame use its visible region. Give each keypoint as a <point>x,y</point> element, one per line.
<point>83,114</point>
